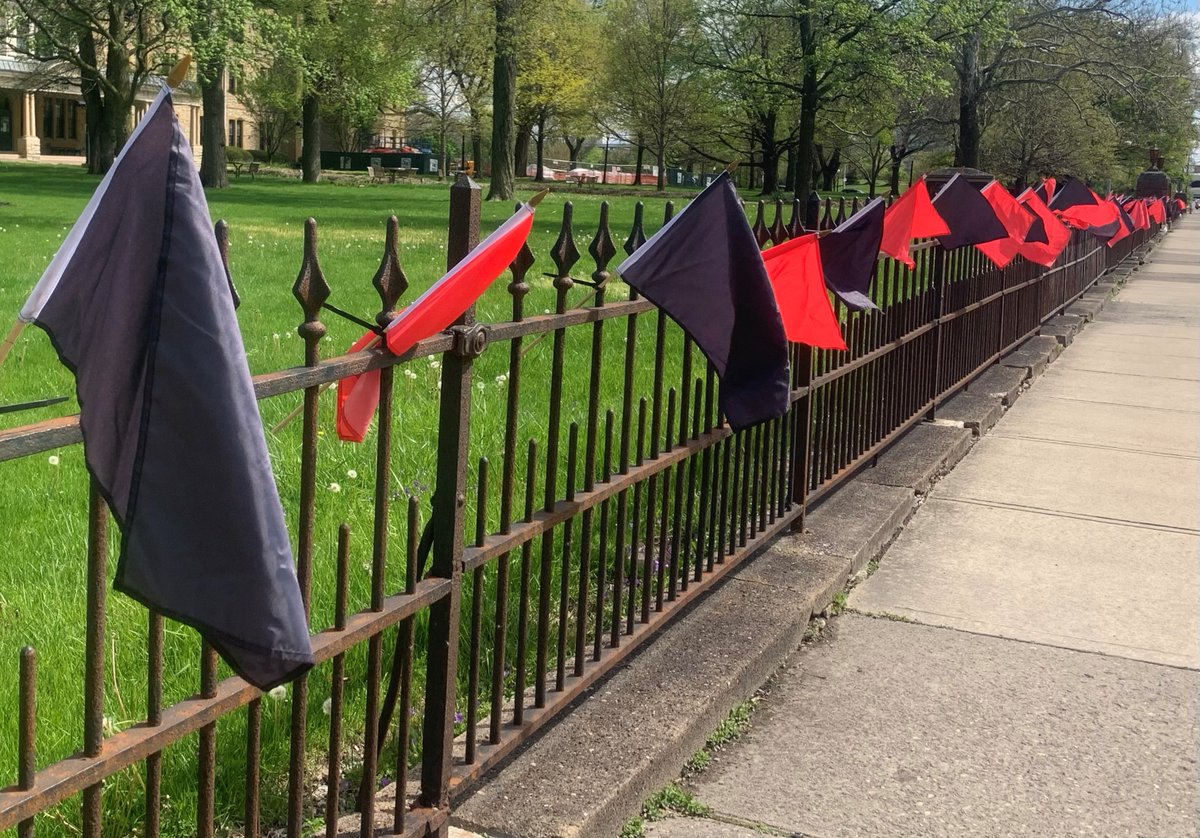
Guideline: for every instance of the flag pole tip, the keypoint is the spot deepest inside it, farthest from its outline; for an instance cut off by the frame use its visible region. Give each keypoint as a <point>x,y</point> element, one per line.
<point>179,72</point>
<point>537,198</point>
<point>732,167</point>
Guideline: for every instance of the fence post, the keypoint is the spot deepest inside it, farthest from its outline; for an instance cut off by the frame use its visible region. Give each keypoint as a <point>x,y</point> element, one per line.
<point>939,303</point>
<point>449,501</point>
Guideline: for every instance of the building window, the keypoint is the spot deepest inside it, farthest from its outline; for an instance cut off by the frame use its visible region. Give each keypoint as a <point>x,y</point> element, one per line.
<point>236,133</point>
<point>72,119</point>
<point>60,123</point>
<point>233,81</point>
<point>47,118</point>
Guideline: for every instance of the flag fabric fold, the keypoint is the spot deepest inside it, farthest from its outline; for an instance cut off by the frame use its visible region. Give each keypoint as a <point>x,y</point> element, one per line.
<point>1156,211</point>
<point>911,216</point>
<point>1016,221</point>
<point>432,312</point>
<point>138,306</point>
<point>1043,249</point>
<point>704,269</point>
<point>1045,190</point>
<point>798,281</point>
<point>968,214</point>
<point>1137,212</point>
<point>1126,224</point>
<point>848,255</point>
<point>1083,209</point>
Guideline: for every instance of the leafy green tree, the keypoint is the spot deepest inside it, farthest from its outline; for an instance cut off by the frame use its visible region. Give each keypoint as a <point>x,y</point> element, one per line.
<point>114,45</point>
<point>650,75</point>
<point>504,99</point>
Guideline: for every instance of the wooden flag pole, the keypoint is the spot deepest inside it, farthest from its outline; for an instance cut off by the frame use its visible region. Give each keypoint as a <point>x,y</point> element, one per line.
<point>10,339</point>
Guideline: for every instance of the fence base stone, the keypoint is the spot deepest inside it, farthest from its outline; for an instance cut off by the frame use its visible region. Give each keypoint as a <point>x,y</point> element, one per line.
<point>923,454</point>
<point>975,411</point>
<point>1000,382</point>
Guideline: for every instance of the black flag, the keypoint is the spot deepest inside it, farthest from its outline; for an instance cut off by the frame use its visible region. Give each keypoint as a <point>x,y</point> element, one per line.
<point>704,269</point>
<point>969,215</point>
<point>849,252</point>
<point>137,304</point>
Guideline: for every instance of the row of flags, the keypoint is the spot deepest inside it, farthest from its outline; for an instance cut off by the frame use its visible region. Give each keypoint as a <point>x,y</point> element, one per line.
<point>138,305</point>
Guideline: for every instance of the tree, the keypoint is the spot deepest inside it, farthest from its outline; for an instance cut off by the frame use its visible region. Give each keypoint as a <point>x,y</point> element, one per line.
<point>355,59</point>
<point>829,49</point>
<point>272,96</point>
<point>650,74</point>
<point>216,29</point>
<point>504,100</point>
<point>114,45</point>
<point>559,45</point>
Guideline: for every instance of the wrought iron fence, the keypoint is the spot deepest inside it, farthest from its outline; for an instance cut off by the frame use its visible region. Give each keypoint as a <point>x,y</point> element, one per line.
<point>591,538</point>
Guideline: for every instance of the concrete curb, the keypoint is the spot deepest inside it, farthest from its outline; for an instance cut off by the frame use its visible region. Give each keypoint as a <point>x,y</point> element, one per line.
<point>632,733</point>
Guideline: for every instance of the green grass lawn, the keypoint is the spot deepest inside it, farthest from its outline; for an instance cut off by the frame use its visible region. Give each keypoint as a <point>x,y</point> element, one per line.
<point>43,498</point>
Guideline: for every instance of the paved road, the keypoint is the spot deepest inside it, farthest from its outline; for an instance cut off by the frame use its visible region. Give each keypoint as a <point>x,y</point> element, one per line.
<point>1039,673</point>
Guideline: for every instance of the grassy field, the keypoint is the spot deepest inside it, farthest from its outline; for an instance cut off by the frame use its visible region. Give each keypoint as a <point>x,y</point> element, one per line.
<point>43,499</point>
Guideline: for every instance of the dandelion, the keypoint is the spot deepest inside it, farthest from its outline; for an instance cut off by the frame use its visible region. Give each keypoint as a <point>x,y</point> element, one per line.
<point>434,363</point>
<point>109,726</point>
<point>53,460</point>
<point>278,694</point>
<point>275,337</point>
<point>410,375</point>
<point>327,707</point>
<point>501,379</point>
<point>351,473</point>
<point>335,487</point>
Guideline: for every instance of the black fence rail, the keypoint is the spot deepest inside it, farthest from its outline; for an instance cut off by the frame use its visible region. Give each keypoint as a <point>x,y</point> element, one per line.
<point>550,558</point>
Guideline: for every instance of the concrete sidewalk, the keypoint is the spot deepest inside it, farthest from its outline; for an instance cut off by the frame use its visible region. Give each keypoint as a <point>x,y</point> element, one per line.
<point>1051,686</point>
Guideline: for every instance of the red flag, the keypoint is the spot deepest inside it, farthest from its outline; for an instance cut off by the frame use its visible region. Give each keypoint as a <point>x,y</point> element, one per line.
<point>798,280</point>
<point>1124,224</point>
<point>433,311</point>
<point>1137,211</point>
<point>1101,218</point>
<point>1156,210</point>
<point>1057,234</point>
<point>1045,192</point>
<point>912,216</point>
<point>1016,222</point>
<point>1182,204</point>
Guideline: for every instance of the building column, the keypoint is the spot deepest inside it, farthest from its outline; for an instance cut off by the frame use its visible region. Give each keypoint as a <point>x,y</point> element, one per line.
<point>29,144</point>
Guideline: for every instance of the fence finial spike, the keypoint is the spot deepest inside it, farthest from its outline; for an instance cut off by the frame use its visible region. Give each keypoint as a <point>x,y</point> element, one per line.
<point>732,167</point>
<point>537,198</point>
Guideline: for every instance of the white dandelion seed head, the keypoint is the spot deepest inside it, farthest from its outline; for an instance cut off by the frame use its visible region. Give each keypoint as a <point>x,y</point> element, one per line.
<point>278,693</point>
<point>335,487</point>
<point>327,707</point>
<point>351,473</point>
<point>53,460</point>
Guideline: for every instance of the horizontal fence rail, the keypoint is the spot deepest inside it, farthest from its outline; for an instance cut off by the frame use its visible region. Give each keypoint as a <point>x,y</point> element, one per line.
<point>612,494</point>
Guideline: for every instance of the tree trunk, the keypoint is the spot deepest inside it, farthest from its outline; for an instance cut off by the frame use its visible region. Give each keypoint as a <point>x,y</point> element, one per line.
<point>212,128</point>
<point>897,158</point>
<point>829,169</point>
<point>310,139</point>
<point>789,172</point>
<point>541,147</point>
<point>967,151</point>
<point>641,153</point>
<point>660,157</point>
<point>504,102</point>
<point>573,149</point>
<point>805,141</point>
<point>477,150</point>
<point>521,149</point>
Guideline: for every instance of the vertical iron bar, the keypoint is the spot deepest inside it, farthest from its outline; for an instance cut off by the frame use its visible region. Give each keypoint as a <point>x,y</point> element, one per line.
<point>27,732</point>
<point>523,595</point>
<point>404,643</point>
<point>206,793</point>
<point>337,687</point>
<point>564,573</point>
<point>481,503</point>
<point>93,679</point>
